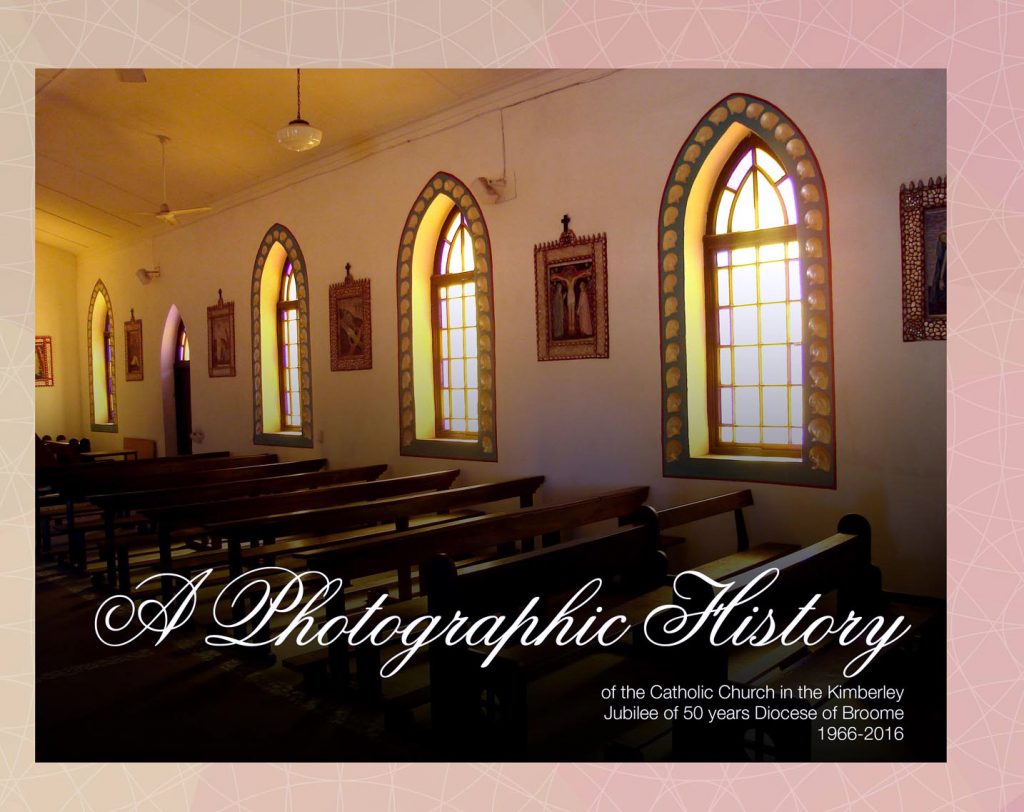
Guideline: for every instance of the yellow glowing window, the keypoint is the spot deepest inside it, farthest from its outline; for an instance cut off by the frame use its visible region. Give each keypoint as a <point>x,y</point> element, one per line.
<point>453,305</point>
<point>108,365</point>
<point>288,348</point>
<point>182,348</point>
<point>755,322</point>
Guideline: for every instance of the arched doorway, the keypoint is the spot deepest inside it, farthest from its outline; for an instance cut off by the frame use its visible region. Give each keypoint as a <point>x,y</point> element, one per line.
<point>182,391</point>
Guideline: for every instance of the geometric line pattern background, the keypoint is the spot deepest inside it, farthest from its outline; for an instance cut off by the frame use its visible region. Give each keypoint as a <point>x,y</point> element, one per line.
<point>981,44</point>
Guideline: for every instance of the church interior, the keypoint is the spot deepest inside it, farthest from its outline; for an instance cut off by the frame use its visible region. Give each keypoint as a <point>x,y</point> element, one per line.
<point>465,337</point>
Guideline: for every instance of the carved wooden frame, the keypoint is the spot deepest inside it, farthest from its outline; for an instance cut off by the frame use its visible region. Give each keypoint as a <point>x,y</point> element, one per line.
<point>44,360</point>
<point>351,289</point>
<point>566,251</point>
<point>918,201</point>
<point>133,327</point>
<point>221,312</point>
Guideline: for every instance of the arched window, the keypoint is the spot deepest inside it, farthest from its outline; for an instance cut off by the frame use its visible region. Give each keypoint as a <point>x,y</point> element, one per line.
<point>453,297</point>
<point>288,352</point>
<point>282,380</point>
<point>754,314</point>
<point>100,343</point>
<point>446,326</point>
<point>745,290</point>
<point>181,351</point>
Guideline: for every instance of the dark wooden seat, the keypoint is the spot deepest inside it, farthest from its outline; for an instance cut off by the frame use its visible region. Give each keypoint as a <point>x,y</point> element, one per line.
<point>168,509</point>
<point>400,552</point>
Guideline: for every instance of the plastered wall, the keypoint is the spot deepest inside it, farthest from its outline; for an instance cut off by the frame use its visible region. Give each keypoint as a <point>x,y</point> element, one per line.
<point>601,152</point>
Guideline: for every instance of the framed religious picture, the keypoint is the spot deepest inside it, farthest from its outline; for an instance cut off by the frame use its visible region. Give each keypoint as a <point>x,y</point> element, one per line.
<point>351,335</point>
<point>923,242</point>
<point>44,361</point>
<point>133,349</point>
<point>572,296</point>
<point>221,325</point>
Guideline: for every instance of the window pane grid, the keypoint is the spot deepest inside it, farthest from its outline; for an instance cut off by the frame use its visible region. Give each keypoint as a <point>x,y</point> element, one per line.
<point>455,332</point>
<point>288,353</point>
<point>760,343</point>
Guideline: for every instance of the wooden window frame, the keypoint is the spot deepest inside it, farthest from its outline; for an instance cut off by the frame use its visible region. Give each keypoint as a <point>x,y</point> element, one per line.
<point>284,306</point>
<point>438,280</point>
<point>108,363</point>
<point>728,241</point>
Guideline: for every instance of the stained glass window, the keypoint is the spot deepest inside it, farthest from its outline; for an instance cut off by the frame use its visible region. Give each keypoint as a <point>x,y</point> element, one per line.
<point>755,359</point>
<point>453,297</point>
<point>108,365</point>
<point>288,349</point>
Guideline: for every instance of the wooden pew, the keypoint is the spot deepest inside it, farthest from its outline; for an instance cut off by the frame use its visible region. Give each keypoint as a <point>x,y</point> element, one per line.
<point>318,530</point>
<point>474,536</point>
<point>177,521</point>
<point>219,495</point>
<point>495,587</point>
<point>82,486</point>
<point>62,482</point>
<point>839,563</point>
<point>504,587</point>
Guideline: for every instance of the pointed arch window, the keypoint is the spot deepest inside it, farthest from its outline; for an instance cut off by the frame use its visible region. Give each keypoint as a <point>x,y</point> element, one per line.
<point>101,361</point>
<point>754,310</point>
<point>748,379</point>
<point>453,295</point>
<point>288,352</point>
<point>446,350</point>
<point>282,367</point>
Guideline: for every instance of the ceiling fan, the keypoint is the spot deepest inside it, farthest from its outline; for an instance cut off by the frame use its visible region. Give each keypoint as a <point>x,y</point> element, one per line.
<point>166,213</point>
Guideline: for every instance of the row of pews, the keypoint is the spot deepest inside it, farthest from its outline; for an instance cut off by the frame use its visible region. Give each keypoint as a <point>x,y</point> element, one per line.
<point>433,546</point>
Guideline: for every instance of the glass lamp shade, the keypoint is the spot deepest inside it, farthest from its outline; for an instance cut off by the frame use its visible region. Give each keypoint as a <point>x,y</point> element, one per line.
<point>298,136</point>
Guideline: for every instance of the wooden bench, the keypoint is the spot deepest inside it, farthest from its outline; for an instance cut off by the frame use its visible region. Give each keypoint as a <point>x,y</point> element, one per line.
<point>176,522</point>
<point>326,529</point>
<point>496,586</point>
<point>79,486</point>
<point>839,563</point>
<point>169,509</point>
<point>470,537</point>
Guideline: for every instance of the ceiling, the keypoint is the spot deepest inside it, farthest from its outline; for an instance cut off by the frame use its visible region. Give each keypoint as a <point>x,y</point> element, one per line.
<point>98,158</point>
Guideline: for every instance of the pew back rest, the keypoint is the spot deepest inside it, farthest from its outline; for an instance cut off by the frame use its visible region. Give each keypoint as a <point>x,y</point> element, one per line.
<point>323,521</point>
<point>471,536</point>
<point>160,502</point>
<point>155,481</point>
<point>90,477</point>
<point>733,502</point>
<point>495,586</point>
<point>249,509</point>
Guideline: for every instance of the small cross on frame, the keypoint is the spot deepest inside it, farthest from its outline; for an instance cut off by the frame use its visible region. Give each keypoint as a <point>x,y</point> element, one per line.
<point>567,236</point>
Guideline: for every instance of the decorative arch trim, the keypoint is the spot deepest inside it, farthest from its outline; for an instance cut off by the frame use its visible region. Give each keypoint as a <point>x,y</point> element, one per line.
<point>262,434</point>
<point>421,231</point>
<point>90,343</point>
<point>678,266</point>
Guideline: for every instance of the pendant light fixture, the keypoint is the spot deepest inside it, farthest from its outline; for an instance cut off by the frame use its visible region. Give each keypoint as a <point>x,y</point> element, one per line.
<point>298,135</point>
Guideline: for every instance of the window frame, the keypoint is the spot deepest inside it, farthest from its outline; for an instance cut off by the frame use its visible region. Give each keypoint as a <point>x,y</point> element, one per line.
<point>684,430</point>
<point>101,358</point>
<point>441,279</point>
<point>416,256</point>
<point>279,248</point>
<point>731,240</point>
<point>285,306</point>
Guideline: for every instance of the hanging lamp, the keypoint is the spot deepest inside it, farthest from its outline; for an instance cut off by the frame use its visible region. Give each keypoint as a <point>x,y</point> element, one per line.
<point>298,135</point>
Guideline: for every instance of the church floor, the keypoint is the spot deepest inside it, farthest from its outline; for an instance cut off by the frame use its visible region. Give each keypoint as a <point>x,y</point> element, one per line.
<point>181,701</point>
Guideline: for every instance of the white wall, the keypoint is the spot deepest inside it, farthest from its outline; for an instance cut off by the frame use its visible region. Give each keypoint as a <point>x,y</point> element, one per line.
<point>58,407</point>
<point>600,152</point>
